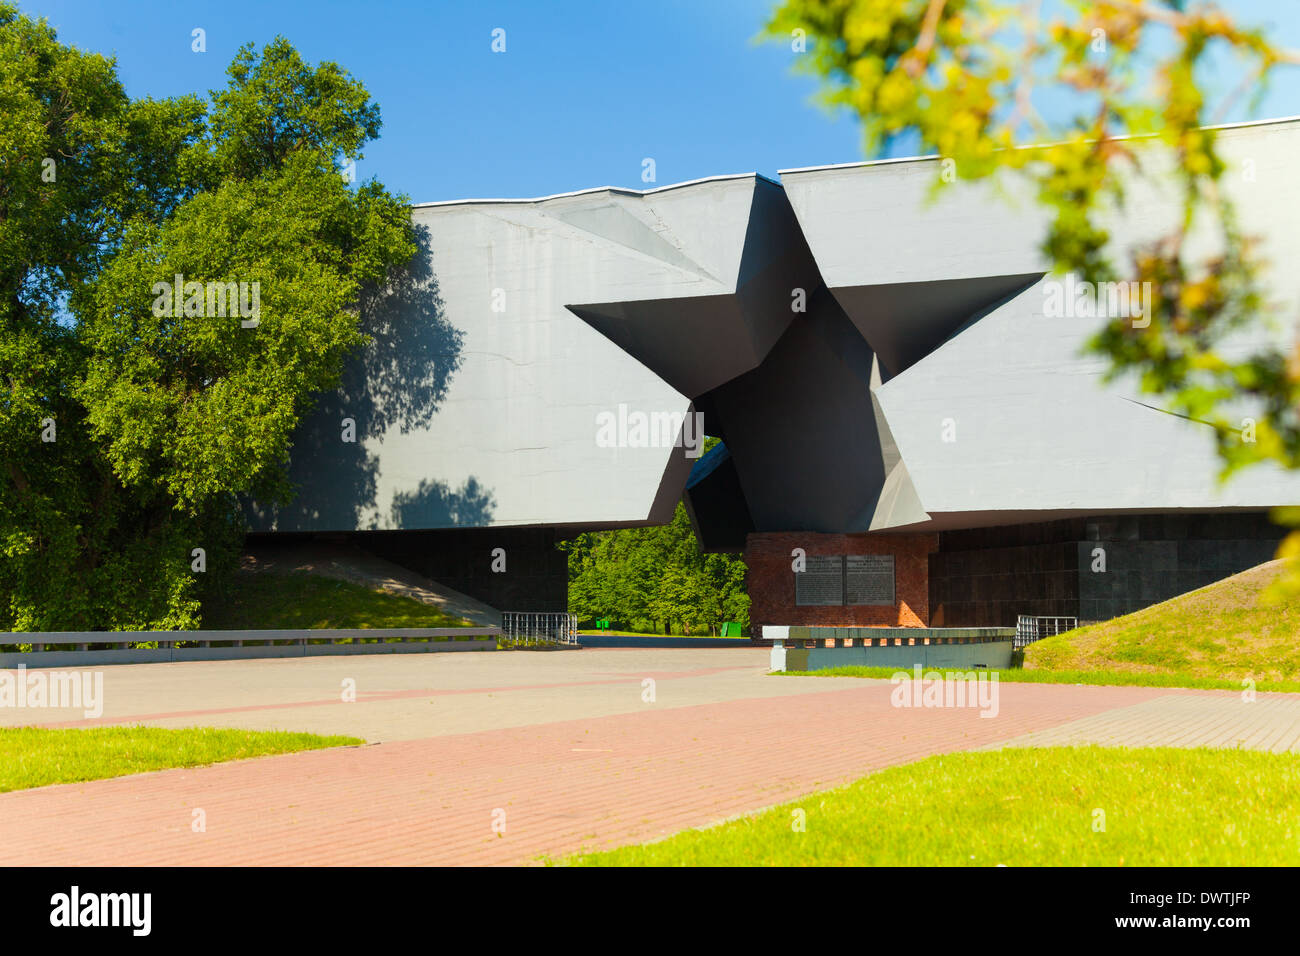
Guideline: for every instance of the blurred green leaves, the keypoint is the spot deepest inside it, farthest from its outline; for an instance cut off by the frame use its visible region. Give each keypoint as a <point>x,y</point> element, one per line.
<point>964,79</point>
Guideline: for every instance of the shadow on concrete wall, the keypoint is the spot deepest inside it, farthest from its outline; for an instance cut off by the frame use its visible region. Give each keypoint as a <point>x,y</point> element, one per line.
<point>403,375</point>
<point>399,380</point>
<point>434,505</point>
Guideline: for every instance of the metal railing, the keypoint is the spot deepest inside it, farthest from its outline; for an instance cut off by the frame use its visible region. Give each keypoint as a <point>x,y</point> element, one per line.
<point>539,627</point>
<point>78,648</point>
<point>1030,628</point>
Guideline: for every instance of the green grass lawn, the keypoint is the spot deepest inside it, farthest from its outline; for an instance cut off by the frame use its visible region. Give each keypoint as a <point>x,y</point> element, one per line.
<point>1225,631</point>
<point>1101,677</point>
<point>297,599</point>
<point>36,756</point>
<point>1020,807</point>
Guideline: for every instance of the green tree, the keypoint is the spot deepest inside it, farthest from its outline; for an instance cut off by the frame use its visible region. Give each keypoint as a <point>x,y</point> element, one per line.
<point>963,79</point>
<point>655,578</point>
<point>157,415</point>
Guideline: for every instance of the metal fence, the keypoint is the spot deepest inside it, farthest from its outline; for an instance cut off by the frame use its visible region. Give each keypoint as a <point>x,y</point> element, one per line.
<point>83,648</point>
<point>1030,628</point>
<point>539,627</point>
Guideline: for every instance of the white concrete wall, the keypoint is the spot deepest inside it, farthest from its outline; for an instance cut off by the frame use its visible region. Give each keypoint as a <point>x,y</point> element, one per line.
<point>1035,427</point>
<point>517,424</point>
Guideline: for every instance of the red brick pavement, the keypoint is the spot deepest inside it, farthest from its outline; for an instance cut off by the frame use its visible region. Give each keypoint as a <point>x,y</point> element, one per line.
<point>587,783</point>
<point>370,697</point>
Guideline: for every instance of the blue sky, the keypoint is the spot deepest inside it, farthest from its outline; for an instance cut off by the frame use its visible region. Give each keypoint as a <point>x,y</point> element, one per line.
<point>584,91</point>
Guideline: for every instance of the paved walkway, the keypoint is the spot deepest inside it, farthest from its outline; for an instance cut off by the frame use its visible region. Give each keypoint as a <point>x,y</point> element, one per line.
<point>561,748</point>
<point>1271,722</point>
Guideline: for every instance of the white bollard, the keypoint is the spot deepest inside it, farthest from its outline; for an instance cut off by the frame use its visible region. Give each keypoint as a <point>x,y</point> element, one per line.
<point>778,635</point>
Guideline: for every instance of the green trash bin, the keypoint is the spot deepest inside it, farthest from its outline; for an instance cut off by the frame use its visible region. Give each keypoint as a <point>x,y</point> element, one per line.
<point>731,629</point>
<point>603,624</point>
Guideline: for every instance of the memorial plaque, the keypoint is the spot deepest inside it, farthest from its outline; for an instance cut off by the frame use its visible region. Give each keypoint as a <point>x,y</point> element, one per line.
<point>869,579</point>
<point>821,582</point>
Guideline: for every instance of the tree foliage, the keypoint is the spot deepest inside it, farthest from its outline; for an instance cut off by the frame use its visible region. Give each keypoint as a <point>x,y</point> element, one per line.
<point>965,78</point>
<point>128,430</point>
<point>655,578</point>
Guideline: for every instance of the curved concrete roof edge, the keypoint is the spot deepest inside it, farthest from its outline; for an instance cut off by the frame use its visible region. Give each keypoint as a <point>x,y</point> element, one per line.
<point>599,189</point>
<point>931,157</point>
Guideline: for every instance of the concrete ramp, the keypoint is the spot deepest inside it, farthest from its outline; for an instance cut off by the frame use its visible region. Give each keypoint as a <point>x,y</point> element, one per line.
<point>348,563</point>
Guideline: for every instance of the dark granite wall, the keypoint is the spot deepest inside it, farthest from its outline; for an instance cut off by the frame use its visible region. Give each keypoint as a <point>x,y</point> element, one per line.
<point>990,587</point>
<point>1151,558</point>
<point>536,575</point>
<point>986,577</point>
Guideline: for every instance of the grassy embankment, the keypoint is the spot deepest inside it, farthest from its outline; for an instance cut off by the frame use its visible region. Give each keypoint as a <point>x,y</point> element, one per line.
<point>301,600</point>
<point>37,757</point>
<point>1049,806</point>
<point>1215,637</point>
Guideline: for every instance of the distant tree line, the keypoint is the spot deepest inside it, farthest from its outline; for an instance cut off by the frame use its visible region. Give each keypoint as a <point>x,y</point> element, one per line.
<point>655,580</point>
